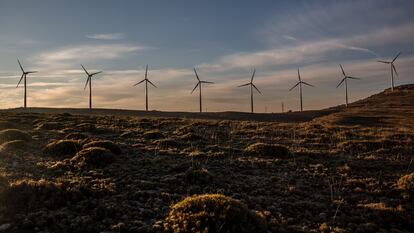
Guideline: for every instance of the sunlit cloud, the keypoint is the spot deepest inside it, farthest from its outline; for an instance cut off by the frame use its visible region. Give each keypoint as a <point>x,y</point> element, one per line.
<point>87,52</point>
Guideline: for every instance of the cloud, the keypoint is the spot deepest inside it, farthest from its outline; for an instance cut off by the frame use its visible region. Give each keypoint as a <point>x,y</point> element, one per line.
<point>110,36</point>
<point>287,37</point>
<point>87,52</point>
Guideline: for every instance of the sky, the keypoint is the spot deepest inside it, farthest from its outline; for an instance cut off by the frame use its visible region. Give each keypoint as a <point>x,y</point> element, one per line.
<point>224,40</point>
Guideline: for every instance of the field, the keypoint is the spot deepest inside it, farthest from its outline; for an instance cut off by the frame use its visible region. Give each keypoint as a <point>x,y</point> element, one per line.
<point>334,170</point>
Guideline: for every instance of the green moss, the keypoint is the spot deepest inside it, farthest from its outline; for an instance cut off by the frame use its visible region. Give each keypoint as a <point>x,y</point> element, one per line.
<point>212,213</point>
<point>267,150</point>
<point>8,135</point>
<point>62,147</point>
<point>114,148</point>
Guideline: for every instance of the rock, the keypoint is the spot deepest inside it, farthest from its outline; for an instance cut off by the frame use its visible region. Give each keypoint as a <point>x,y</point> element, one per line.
<point>322,217</point>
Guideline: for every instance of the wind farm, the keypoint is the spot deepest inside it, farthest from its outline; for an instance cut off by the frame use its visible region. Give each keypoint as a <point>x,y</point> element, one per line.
<point>206,117</point>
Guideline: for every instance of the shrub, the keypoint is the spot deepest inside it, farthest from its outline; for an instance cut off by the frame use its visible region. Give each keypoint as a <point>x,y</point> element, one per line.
<point>114,148</point>
<point>8,135</point>
<point>198,176</point>
<point>49,126</point>
<point>267,150</point>
<point>93,157</point>
<point>62,147</point>
<point>14,145</point>
<point>406,183</point>
<point>212,213</point>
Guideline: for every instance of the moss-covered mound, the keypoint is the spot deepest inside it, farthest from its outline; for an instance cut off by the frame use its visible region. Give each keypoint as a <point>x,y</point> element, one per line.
<point>15,145</point>
<point>267,150</point>
<point>212,213</point>
<point>62,147</point>
<point>49,126</point>
<point>406,183</point>
<point>114,148</point>
<point>76,136</point>
<point>153,134</point>
<point>25,195</point>
<point>8,135</point>
<point>93,157</point>
<point>198,176</point>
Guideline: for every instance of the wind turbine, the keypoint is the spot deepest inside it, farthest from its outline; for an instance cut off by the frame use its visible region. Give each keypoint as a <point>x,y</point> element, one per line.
<point>300,89</point>
<point>345,80</point>
<point>24,75</point>
<point>199,87</point>
<point>89,80</point>
<point>392,69</point>
<point>251,89</point>
<point>146,87</point>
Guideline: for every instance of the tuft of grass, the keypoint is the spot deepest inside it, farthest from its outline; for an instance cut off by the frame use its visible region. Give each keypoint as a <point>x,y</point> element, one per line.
<point>114,148</point>
<point>93,157</point>
<point>8,135</point>
<point>62,147</point>
<point>198,176</point>
<point>267,150</point>
<point>406,183</point>
<point>213,213</point>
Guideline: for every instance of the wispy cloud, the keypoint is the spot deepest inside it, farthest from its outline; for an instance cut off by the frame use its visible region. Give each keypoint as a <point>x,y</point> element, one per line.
<point>87,52</point>
<point>109,36</point>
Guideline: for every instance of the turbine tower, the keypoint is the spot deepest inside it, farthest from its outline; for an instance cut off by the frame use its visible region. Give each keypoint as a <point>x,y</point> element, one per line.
<point>300,89</point>
<point>146,87</point>
<point>24,75</point>
<point>199,87</point>
<point>345,80</point>
<point>392,67</point>
<point>89,80</point>
<point>251,89</point>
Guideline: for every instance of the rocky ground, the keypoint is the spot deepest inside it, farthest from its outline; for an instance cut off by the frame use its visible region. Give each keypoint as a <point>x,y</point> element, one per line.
<point>64,172</point>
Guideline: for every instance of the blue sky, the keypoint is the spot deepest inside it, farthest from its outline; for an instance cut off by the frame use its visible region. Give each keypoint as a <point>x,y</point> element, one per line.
<point>225,40</point>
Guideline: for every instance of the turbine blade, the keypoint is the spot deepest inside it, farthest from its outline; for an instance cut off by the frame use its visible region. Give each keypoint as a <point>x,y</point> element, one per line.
<point>341,82</point>
<point>146,71</point>
<point>21,67</point>
<point>139,82</point>
<point>254,72</point>
<point>299,76</point>
<point>386,62</point>
<point>151,83</point>
<point>393,67</point>
<point>395,58</point>
<point>20,80</point>
<point>96,73</point>
<point>353,78</point>
<point>343,72</point>
<point>257,89</point>
<point>195,71</point>
<point>294,86</point>
<point>31,72</point>
<point>87,80</point>
<point>85,70</point>
<point>244,85</point>
<point>206,82</point>
<point>195,87</point>
<point>308,84</point>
